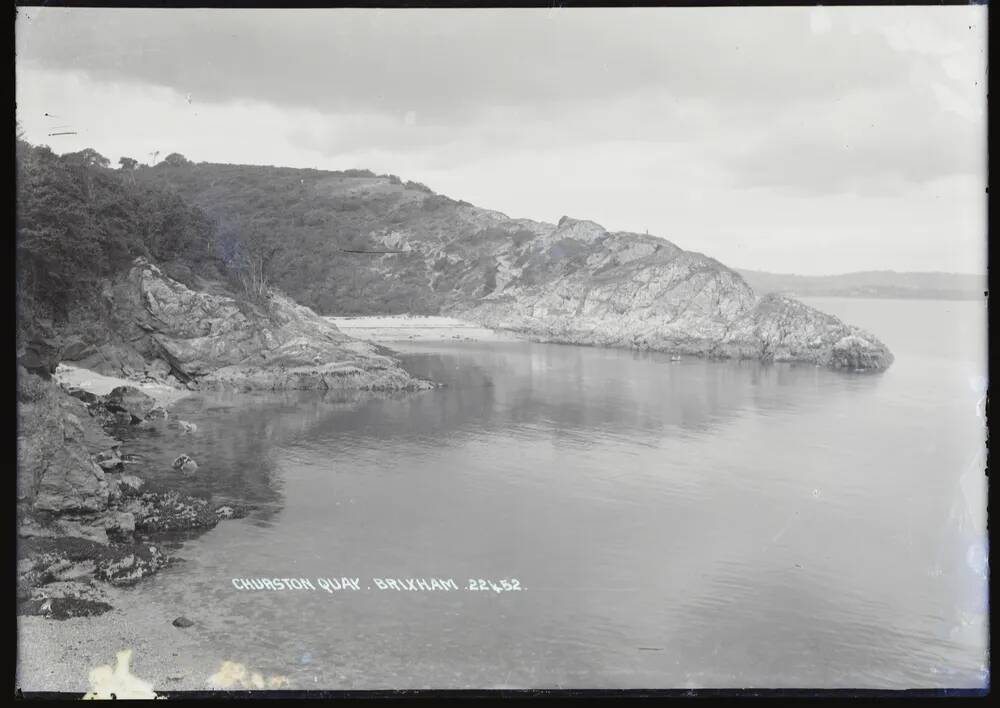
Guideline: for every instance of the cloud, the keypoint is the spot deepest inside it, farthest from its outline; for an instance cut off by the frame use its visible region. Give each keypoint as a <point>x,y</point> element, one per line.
<point>778,79</point>
<point>869,143</point>
<point>820,21</point>
<point>445,64</point>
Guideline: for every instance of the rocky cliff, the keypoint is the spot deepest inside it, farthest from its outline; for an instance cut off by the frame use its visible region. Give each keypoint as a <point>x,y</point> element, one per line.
<point>631,290</point>
<point>214,339</point>
<point>575,282</point>
<point>568,282</point>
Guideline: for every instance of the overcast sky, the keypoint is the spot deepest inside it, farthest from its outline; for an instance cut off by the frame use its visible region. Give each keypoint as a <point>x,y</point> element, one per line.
<point>802,140</point>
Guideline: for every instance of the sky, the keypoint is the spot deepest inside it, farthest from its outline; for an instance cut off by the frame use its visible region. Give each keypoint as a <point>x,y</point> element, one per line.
<point>804,140</point>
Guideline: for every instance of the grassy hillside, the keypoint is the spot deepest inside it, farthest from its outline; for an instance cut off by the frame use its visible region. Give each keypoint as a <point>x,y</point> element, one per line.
<point>306,222</point>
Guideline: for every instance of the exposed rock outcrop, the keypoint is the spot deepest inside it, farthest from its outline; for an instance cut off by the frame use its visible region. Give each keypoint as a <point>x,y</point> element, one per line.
<point>221,341</point>
<point>130,403</point>
<point>573,281</point>
<point>79,518</point>
<point>57,439</point>
<point>39,355</point>
<point>577,283</point>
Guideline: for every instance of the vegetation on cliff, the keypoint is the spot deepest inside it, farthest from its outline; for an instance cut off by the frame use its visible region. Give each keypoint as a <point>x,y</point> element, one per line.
<point>354,243</point>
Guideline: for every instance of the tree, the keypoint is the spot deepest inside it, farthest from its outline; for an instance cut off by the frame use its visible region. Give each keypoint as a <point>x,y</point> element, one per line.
<point>82,164</point>
<point>21,145</point>
<point>248,252</point>
<point>128,166</point>
<point>88,157</point>
<point>175,159</point>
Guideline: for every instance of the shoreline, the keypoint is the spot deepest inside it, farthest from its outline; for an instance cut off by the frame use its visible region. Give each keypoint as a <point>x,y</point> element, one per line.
<point>417,328</point>
<point>61,655</point>
<point>70,377</point>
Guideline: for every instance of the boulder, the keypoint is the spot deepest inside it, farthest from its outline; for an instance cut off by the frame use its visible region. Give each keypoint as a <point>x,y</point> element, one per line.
<point>232,511</point>
<point>129,401</point>
<point>129,564</point>
<point>40,356</point>
<point>131,485</point>
<point>86,396</point>
<point>185,464</point>
<point>75,348</point>
<point>120,523</point>
<point>109,460</point>
<point>124,486</point>
<point>158,370</point>
<point>70,481</point>
<point>155,513</point>
<point>156,415</point>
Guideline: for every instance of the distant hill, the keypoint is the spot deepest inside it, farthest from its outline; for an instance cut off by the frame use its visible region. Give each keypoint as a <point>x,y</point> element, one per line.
<point>874,284</point>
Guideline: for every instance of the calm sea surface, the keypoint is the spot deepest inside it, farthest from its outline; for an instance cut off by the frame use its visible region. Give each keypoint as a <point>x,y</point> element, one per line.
<point>671,524</point>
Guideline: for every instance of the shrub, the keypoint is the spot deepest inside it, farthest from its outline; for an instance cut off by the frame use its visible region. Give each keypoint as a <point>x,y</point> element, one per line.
<point>419,187</point>
<point>175,159</point>
<point>435,202</point>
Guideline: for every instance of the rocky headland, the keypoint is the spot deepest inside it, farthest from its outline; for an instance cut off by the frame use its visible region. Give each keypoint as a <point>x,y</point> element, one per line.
<point>354,243</point>
<point>210,338</point>
<point>631,290</point>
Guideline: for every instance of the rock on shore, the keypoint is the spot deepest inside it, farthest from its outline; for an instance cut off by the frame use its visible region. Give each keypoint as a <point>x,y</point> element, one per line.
<point>580,284</point>
<point>215,340</point>
<point>81,520</point>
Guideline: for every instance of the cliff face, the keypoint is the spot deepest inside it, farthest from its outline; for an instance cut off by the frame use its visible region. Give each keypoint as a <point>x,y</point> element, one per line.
<point>575,282</point>
<point>631,290</point>
<point>568,282</point>
<point>217,340</point>
<point>57,440</point>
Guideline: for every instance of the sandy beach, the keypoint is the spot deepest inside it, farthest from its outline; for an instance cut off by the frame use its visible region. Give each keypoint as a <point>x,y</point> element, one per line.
<point>416,328</point>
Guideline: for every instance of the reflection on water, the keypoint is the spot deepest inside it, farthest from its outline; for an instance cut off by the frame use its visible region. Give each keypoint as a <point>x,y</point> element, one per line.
<point>235,434</point>
<point>673,524</point>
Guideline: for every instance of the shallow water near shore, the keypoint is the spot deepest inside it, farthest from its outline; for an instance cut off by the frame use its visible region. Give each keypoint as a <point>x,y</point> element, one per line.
<point>670,523</point>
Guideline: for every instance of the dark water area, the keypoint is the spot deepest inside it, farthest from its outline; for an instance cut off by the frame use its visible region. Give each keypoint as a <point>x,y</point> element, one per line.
<point>671,524</point>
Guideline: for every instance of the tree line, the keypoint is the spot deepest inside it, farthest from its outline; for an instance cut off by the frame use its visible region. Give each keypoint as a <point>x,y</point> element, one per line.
<point>78,221</point>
